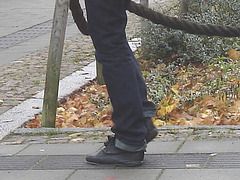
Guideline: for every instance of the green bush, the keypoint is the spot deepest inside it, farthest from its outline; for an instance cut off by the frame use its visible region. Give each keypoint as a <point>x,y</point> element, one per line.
<point>171,45</point>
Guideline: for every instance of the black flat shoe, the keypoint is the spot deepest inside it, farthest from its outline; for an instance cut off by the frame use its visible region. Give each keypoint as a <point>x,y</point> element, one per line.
<point>112,155</point>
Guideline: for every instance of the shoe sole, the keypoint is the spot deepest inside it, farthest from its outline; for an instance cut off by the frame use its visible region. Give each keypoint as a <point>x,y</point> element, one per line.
<point>118,165</point>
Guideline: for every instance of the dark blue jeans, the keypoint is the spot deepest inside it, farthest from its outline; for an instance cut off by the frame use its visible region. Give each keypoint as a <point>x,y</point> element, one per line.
<point>126,87</point>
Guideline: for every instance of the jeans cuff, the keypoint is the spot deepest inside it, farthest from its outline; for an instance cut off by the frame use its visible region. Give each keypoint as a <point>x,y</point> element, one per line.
<point>130,148</point>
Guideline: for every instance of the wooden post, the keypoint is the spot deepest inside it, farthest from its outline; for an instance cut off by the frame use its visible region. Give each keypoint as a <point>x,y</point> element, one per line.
<point>144,22</point>
<point>144,2</point>
<point>100,79</point>
<point>184,6</point>
<point>50,101</point>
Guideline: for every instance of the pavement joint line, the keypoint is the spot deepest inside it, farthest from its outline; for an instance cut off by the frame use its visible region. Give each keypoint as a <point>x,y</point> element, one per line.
<point>160,174</point>
<point>71,174</point>
<point>207,162</point>
<point>39,162</point>
<point>21,150</point>
<point>180,146</point>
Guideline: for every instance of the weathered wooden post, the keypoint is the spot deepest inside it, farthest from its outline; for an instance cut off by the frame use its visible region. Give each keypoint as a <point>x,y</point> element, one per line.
<point>184,6</point>
<point>144,22</point>
<point>50,101</point>
<point>100,79</point>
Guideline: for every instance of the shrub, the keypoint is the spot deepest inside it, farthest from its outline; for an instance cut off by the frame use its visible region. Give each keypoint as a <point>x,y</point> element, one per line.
<point>171,45</point>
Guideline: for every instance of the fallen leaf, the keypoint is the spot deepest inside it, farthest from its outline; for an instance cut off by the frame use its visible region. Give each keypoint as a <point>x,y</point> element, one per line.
<point>233,54</point>
<point>35,123</point>
<point>75,134</point>
<point>60,110</point>
<point>35,107</point>
<point>209,120</point>
<point>166,106</point>
<point>78,139</point>
<point>159,123</point>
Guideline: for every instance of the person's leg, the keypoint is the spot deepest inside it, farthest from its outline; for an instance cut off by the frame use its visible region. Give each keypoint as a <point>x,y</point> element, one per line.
<point>107,22</point>
<point>127,90</point>
<point>149,109</point>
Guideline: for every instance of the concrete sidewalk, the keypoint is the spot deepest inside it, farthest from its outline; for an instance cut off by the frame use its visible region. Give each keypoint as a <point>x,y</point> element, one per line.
<point>178,153</point>
<point>183,154</point>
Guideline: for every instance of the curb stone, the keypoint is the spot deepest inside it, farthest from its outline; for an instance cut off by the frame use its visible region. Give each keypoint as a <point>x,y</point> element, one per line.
<point>93,135</point>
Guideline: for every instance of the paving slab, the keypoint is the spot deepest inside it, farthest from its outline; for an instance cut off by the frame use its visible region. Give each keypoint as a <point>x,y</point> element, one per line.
<point>61,149</point>
<point>162,147</point>
<point>35,175</point>
<point>224,161</point>
<point>201,174</point>
<point>23,14</point>
<point>210,146</point>
<point>174,161</point>
<point>19,162</point>
<point>10,150</point>
<point>116,174</point>
<point>10,54</point>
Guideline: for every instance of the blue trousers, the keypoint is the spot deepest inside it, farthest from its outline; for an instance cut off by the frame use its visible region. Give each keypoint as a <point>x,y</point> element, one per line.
<point>126,87</point>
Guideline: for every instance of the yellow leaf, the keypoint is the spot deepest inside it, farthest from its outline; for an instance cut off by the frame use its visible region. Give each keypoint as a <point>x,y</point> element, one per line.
<point>233,54</point>
<point>159,123</point>
<point>166,106</point>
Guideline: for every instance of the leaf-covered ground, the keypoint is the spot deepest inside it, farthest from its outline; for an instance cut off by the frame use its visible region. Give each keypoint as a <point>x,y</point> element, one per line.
<point>206,94</point>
